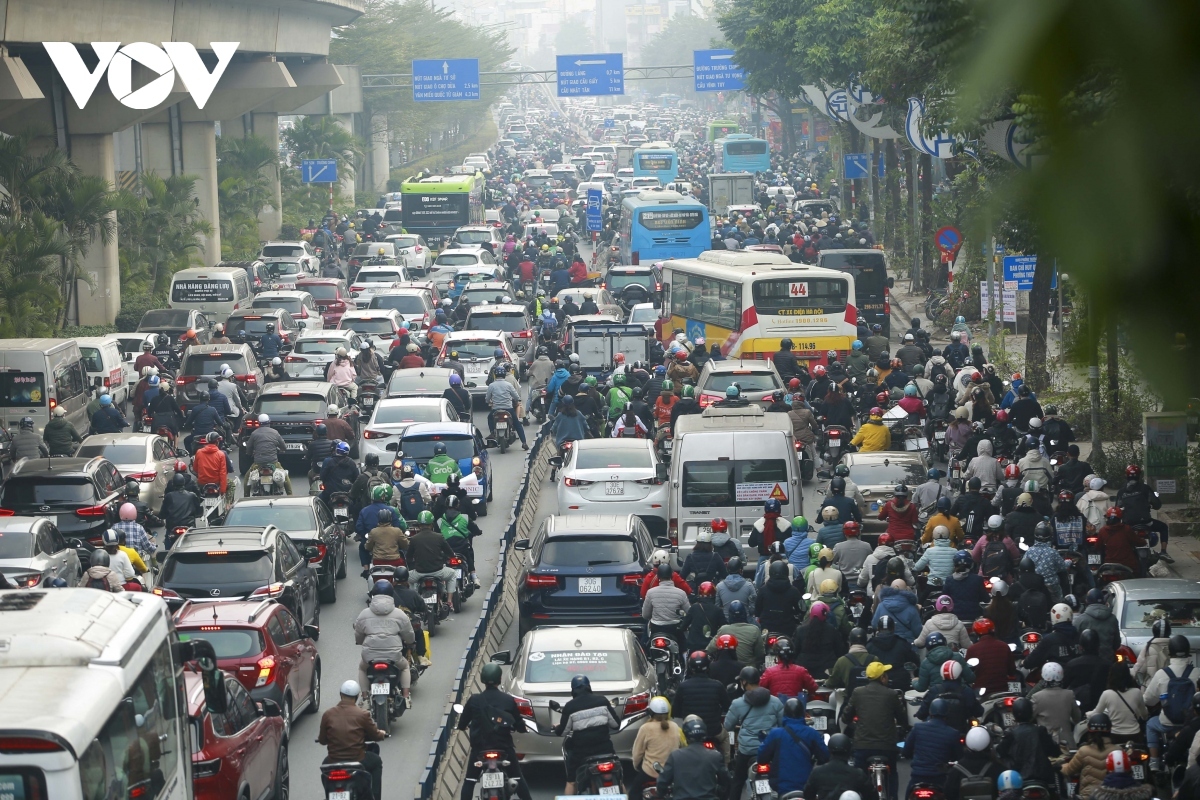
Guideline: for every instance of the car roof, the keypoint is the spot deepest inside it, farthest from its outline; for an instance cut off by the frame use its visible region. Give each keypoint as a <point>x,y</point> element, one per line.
<point>565,637</point>
<point>570,524</point>
<point>450,428</point>
<point>370,313</point>
<point>495,307</point>
<point>304,387</point>
<point>613,444</point>
<point>432,372</point>
<point>238,612</point>
<point>410,291</point>
<point>308,500</point>
<point>19,524</point>
<point>249,312</point>
<point>488,285</point>
<point>48,467</point>
<point>412,401</point>
<point>879,456</point>
<point>239,538</point>
<point>473,336</point>
<point>1157,588</point>
<point>120,438</point>
<point>327,333</point>
<point>282,294</point>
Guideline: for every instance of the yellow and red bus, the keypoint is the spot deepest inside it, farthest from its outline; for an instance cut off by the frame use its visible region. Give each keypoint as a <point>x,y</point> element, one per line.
<point>747,302</point>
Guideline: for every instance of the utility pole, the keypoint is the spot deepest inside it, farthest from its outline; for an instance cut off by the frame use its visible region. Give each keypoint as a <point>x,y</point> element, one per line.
<point>911,163</point>
<point>1094,382</point>
<point>991,289</point>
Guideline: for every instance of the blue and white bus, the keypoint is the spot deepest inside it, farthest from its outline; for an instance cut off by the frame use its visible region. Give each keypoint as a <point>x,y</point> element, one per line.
<point>741,152</point>
<point>656,160</point>
<point>658,224</point>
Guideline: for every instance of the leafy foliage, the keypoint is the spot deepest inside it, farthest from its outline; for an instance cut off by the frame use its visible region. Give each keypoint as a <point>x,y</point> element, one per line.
<point>159,226</point>
<point>245,167</point>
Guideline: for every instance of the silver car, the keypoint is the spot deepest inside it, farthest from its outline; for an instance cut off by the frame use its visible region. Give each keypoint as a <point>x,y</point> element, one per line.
<point>541,671</point>
<point>146,458</point>
<point>1138,604</point>
<point>32,551</point>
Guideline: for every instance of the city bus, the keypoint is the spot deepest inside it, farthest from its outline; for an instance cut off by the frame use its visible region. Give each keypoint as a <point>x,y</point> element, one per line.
<point>720,128</point>
<point>748,301</point>
<point>741,152</point>
<point>656,160</point>
<point>439,205</point>
<point>657,224</point>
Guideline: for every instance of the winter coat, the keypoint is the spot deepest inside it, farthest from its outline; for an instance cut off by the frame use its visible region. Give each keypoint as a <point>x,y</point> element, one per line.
<point>895,650</point>
<point>1092,504</point>
<point>753,715</point>
<point>967,591</point>
<point>665,605</point>
<point>1090,764</point>
<point>881,553</point>
<point>1054,708</point>
<point>984,466</point>
<point>790,763</point>
<point>1125,722</point>
<point>751,643</point>
<point>701,623</point>
<point>996,664</point>
<point>849,557</point>
<point>1028,748</point>
<point>1152,658</point>
<point>939,559</point>
<point>829,781</point>
<point>930,675</point>
<point>1099,618</point>
<point>950,626</point>
<point>901,606</point>
<point>880,712</point>
<point>818,645</point>
<point>735,587</point>
<point>778,606</point>
<point>27,444</point>
<point>704,697</point>
<point>382,629</point>
<point>932,745</point>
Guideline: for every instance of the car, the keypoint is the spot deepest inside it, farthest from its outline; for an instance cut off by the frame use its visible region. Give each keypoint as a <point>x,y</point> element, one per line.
<point>464,277</point>
<point>32,551</point>
<point>331,295</point>
<point>79,495</point>
<point>295,409</point>
<point>175,322</point>
<point>300,252</point>
<point>511,318</point>
<point>131,344</point>
<point>107,368</point>
<point>616,476</point>
<point>1138,603</point>
<point>476,351</point>
<point>487,291</point>
<point>308,522</point>
<point>420,382</point>
<point>373,277</point>
<point>541,670</point>
<point>451,260</point>
<point>644,314</point>
<point>368,250</point>
<point>392,416</point>
<point>205,361</point>
<point>426,285</point>
<point>757,379</point>
<point>815,207</point>
<point>464,443</point>
<point>380,325</point>
<point>412,251</point>
<point>283,275</point>
<point>220,565</point>
<point>603,299</point>
<point>254,322</point>
<point>143,457</point>
<point>625,175</point>
<point>876,474</point>
<point>297,302</point>
<point>631,284</point>
<point>314,351</point>
<point>414,305</point>
<point>478,236</point>
<point>241,752</point>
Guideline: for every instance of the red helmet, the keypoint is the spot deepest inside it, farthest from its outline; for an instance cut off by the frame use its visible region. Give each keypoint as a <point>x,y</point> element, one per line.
<point>876,412</point>
<point>1133,471</point>
<point>681,355</point>
<point>1114,514</point>
<point>1012,472</point>
<point>794,384</point>
<point>983,627</point>
<point>181,466</point>
<point>1002,416</point>
<point>720,525</point>
<point>707,589</point>
<point>885,539</point>
<point>882,398</point>
<point>976,377</point>
<point>951,670</point>
<point>851,528</point>
<point>819,371</point>
<point>619,358</point>
<point>1117,762</point>
<point>727,641</point>
<point>1066,496</point>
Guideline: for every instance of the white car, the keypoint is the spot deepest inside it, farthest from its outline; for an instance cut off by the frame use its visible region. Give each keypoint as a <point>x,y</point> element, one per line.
<point>414,305</point>
<point>645,182</point>
<point>449,262</point>
<point>477,353</point>
<point>615,476</point>
<point>300,304</point>
<point>314,352</point>
<point>392,416</point>
<point>291,251</point>
<point>373,278</point>
<point>412,252</point>
<point>476,236</point>
<point>381,326</point>
<point>644,314</point>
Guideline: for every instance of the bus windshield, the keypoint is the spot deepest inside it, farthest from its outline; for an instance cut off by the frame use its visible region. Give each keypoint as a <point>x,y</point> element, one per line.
<point>799,296</point>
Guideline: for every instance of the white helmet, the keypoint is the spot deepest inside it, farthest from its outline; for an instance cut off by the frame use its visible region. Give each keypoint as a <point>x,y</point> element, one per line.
<point>351,689</point>
<point>226,371</point>
<point>704,536</point>
<point>1061,612</point>
<point>332,410</point>
<point>850,795</point>
<point>660,705</point>
<point>341,351</point>
<point>978,739</point>
<point>660,557</point>
<point>995,522</point>
<point>1052,672</point>
<point>110,538</point>
<point>1034,423</point>
<point>941,532</point>
<point>999,588</point>
<point>574,358</point>
<point>263,419</point>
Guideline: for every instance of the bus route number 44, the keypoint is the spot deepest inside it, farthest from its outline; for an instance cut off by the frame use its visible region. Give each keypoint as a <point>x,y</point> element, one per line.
<point>798,289</point>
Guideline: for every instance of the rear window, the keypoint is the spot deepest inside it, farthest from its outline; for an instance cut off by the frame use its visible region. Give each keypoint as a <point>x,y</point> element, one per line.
<point>22,389</point>
<point>613,457</point>
<point>720,483</point>
<point>473,237</point>
<point>478,348</point>
<point>380,325</point>
<point>404,303</point>
<point>203,568</point>
<point>800,296</point>
<point>403,242</point>
<point>1142,614</point>
<point>579,551</point>
<point>35,491</point>
<point>230,642</point>
<point>201,290</point>
<point>289,304</point>
<point>164,318</point>
<point>387,415</point>
<point>278,405</point>
<point>752,382</point>
<point>278,268</point>
<point>16,544</point>
<point>477,296</point>
<point>378,276</point>
<point>252,325</point>
<point>416,382</point>
<point>211,363</point>
<point>457,259</point>
<point>869,270</point>
<point>889,474</point>
<point>619,280</point>
<point>282,251</point>
<point>372,248</point>
<point>560,666</point>
<point>509,321</point>
<point>287,518</point>
<point>116,453</point>
<point>322,291</point>
<point>325,347</point>
<point>421,447</point>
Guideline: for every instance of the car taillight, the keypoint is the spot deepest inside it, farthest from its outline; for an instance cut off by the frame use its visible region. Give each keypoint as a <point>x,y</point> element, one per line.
<point>522,334</point>
<point>762,769</point>
<point>250,422</point>
<point>303,315</point>
<point>247,378</point>
<point>142,477</point>
<point>1125,655</point>
<point>418,249</point>
<point>270,590</point>
<point>320,556</point>
<point>535,581</point>
<point>632,579</point>
<point>576,482</point>
<point>29,581</point>
<point>7,512</point>
<point>707,400</point>
<point>648,481</point>
<point>524,707</point>
<point>266,671</point>
<point>375,435</point>
<point>295,360</point>
<point>337,305</point>
<point>91,512</point>
<point>161,592</point>
<point>356,288</point>
<point>184,380</point>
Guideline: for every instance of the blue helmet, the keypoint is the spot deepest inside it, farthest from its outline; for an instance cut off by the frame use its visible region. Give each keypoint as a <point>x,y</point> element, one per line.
<point>105,400</point>
<point>455,379</point>
<point>660,370</point>
<point>1009,779</point>
<point>381,587</point>
<point>580,683</point>
<point>737,611</point>
<point>498,352</point>
<point>772,506</point>
<point>939,708</point>
<point>910,390</point>
<point>857,345</point>
<point>935,639</point>
<point>733,391</point>
<point>153,380</point>
<point>341,448</point>
<point>963,560</point>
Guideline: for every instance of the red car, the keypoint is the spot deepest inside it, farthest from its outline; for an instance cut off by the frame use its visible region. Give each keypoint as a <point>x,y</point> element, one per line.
<point>263,646</point>
<point>331,295</point>
<point>241,753</point>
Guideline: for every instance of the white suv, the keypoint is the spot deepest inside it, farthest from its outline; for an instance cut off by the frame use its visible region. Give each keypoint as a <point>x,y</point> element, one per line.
<point>301,252</point>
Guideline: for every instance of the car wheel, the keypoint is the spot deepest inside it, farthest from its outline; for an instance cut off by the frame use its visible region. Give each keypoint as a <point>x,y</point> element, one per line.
<point>283,777</point>
<point>286,708</point>
<point>489,497</point>
<point>314,691</point>
<point>341,573</point>
<point>328,594</point>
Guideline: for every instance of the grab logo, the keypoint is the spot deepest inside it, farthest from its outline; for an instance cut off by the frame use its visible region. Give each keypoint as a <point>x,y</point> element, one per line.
<point>172,57</point>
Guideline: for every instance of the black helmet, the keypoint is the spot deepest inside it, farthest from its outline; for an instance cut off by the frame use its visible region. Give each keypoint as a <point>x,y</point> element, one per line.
<point>737,611</point>
<point>785,344</point>
<point>698,662</point>
<point>638,394</point>
<point>733,566</point>
<point>382,587</point>
<point>1089,642</point>
<point>664,572</point>
<point>203,395</point>
<point>1022,708</point>
<point>321,430</point>
<point>840,745</point>
<point>1161,629</point>
<point>896,567</point>
<point>400,575</point>
<point>580,685</point>
<point>886,623</point>
<point>794,708</point>
<point>694,731</point>
<point>974,485</point>
<point>777,395</point>
<point>857,636</point>
<point>749,675</point>
<point>1027,565</point>
<point>179,480</point>
<point>384,517</point>
<point>1042,533</point>
<point>1100,723</point>
<point>372,459</point>
<point>270,327</point>
<point>943,503</point>
<point>490,674</point>
<point>784,649</point>
<point>939,708</point>
<point>439,449</point>
<point>837,486</point>
<point>778,569</point>
<point>1179,646</point>
<point>132,489</point>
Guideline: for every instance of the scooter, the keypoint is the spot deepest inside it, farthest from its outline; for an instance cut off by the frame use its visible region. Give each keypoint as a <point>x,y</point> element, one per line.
<point>505,434</point>
<point>539,406</point>
<point>213,501</point>
<point>759,782</point>
<point>368,396</point>
<point>347,780</point>
<point>434,603</point>
<point>664,652</point>
<point>387,699</point>
<point>602,776</point>
<point>341,510</point>
<point>267,481</point>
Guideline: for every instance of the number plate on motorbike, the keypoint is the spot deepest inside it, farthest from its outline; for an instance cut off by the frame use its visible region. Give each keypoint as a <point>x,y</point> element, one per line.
<point>1009,720</point>
<point>369,402</point>
<point>1093,558</point>
<point>338,796</point>
<point>614,487</point>
<point>1014,686</point>
<point>857,608</point>
<point>1139,772</point>
<point>1072,787</point>
<point>459,571</point>
<point>431,601</point>
<point>589,586</point>
<point>770,661</point>
<point>381,688</point>
<point>820,723</point>
<point>762,787</point>
<point>294,445</point>
<point>609,790</point>
<point>491,780</point>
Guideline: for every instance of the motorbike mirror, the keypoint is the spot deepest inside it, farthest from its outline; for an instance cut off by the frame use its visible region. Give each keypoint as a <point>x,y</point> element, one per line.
<point>502,657</point>
<point>982,689</point>
<point>900,745</point>
<point>1023,546</point>
<point>807,596</point>
<point>312,552</point>
<point>522,544</point>
<point>556,461</point>
<point>311,631</point>
<point>554,706</point>
<point>910,667</point>
<point>972,662</point>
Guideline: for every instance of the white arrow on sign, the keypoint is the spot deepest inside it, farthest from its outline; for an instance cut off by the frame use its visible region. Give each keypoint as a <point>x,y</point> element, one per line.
<point>316,173</point>
<point>584,63</point>
<point>445,66</point>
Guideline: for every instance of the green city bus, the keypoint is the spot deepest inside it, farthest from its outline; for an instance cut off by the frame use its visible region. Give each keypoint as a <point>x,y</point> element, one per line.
<point>441,204</point>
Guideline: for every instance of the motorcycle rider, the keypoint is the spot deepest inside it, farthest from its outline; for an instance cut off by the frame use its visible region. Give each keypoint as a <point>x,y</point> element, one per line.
<point>99,574</point>
<point>540,372</point>
<point>1136,501</point>
<point>439,468</point>
<point>490,717</point>
<point>180,506</point>
<point>108,419</point>
<point>792,750</point>
<point>785,362</point>
<point>1119,542</point>
<point>665,604</point>
<point>270,343</point>
<point>965,587</point>
<point>336,427</point>
<point>264,447</point>
<point>751,716</point>
<point>320,448</point>
<point>976,762</point>
<point>202,420</point>
<point>702,696</point>
<point>213,465</point>
<point>876,343</point>
<point>26,443</point>
<point>429,553</point>
<point>694,772</point>
<point>384,633</point>
<point>771,527</point>
<point>459,530</point>
<point>1157,695</point>
<point>387,542</point>
<point>60,436</point>
<point>1060,645</point>
<point>121,562</point>
<point>956,353</point>
<point>891,648</point>
<point>873,435</point>
<point>345,729</point>
<point>836,779</point>
<point>339,472</point>
<point>1027,746</point>
<point>503,396</point>
<point>779,605</point>
<point>1055,707</point>
<point>587,721</point>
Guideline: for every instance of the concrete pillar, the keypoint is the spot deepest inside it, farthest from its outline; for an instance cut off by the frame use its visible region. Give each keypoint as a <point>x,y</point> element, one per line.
<point>347,181</point>
<point>100,302</point>
<point>380,166</point>
<point>270,220</point>
<point>199,141</point>
<point>156,148</point>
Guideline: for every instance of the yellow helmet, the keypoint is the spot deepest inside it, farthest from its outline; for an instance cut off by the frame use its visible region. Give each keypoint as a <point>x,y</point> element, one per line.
<point>381,251</point>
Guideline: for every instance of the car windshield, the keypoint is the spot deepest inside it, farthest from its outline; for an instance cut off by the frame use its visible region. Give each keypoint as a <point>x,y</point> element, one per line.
<point>473,237</point>
<point>388,415</point>
<point>748,381</point>
<point>372,248</point>
<point>221,568</point>
<point>378,276</point>
<point>404,242</point>
<point>282,251</point>
<point>421,447</point>
<point>727,483</point>
<point>378,325</point>
<point>475,348</point>
<point>278,268</point>
<point>292,405</point>
<point>613,458</point>
<point>211,363</point>
<point>33,491</point>
<point>322,291</point>
<point>404,303</point>
<point>324,347</point>
<point>509,321</point>
<point>91,359</point>
<point>476,296</point>
<point>417,381</point>
<point>116,453</point>
<point>164,318</point>
<point>618,279</point>
<point>289,304</point>
<point>290,519</point>
<point>910,473</point>
<point>581,551</point>
<point>1142,614</point>
<point>229,642</point>
<point>643,314</point>
<point>560,666</point>
<point>16,544</point>
<point>457,259</point>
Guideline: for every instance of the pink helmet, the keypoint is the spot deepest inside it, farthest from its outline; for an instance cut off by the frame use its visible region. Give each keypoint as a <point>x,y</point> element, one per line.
<point>128,512</point>
<point>944,603</point>
<point>819,610</point>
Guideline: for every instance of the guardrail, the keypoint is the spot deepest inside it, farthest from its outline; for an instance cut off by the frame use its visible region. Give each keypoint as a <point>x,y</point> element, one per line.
<point>446,766</point>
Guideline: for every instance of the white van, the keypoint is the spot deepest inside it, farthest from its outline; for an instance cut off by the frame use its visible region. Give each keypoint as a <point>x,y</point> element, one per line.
<point>107,368</point>
<point>39,375</point>
<point>726,463</point>
<point>217,291</point>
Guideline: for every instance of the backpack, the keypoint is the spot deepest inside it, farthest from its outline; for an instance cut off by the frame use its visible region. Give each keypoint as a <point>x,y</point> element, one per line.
<point>411,501</point>
<point>102,584</point>
<point>1178,697</point>
<point>858,672</point>
<point>996,561</point>
<point>708,573</point>
<point>492,721</point>
<point>376,479</point>
<point>975,787</point>
<point>927,511</point>
<point>878,572</point>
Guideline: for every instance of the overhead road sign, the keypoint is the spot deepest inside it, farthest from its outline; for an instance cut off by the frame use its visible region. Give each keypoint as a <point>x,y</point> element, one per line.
<point>318,170</point>
<point>716,71</point>
<point>856,165</point>
<point>532,77</point>
<point>445,79</point>
<point>591,74</point>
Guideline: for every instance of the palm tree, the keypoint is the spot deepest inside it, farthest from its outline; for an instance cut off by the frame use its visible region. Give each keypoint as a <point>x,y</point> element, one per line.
<point>86,205</point>
<point>28,249</point>
<point>244,188</point>
<point>323,137</point>
<point>26,178</point>
<point>160,226</point>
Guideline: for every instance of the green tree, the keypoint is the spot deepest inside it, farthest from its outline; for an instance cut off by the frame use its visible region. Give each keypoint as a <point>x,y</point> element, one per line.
<point>324,137</point>
<point>159,228</point>
<point>30,250</point>
<point>86,206</point>
<point>244,172</point>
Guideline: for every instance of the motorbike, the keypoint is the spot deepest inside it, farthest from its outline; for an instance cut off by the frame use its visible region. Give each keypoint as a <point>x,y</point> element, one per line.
<point>820,712</point>
<point>1077,571</point>
<point>435,603</point>
<point>387,700</point>
<point>463,588</point>
<point>1109,572</point>
<point>341,509</point>
<point>664,652</point>
<point>267,481</point>
<point>381,571</point>
<point>836,440</point>
<point>807,467</point>
<point>557,461</point>
<point>859,605</point>
<point>602,776</point>
<point>347,780</point>
<point>760,782</point>
<point>505,433</point>
<point>494,783</point>
<point>368,395</point>
<point>213,501</point>
<point>539,406</point>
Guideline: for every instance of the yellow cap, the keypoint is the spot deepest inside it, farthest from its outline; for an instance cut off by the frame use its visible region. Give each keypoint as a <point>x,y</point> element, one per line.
<point>875,669</point>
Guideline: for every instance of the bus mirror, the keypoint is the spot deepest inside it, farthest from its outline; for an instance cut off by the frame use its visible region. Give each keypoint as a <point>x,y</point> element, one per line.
<point>202,652</point>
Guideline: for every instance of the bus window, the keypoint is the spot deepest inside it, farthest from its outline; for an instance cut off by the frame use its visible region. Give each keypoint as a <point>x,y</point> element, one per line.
<point>797,296</point>
<point>869,271</point>
<point>707,300</point>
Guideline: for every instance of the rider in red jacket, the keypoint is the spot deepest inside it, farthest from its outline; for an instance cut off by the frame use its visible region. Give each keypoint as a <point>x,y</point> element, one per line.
<point>996,662</point>
<point>1120,541</point>
<point>785,678</point>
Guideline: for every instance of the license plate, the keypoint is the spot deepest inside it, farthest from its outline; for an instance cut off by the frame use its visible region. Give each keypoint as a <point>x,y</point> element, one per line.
<point>459,571</point>
<point>318,369</point>
<point>1071,788</point>
<point>338,796</point>
<point>431,601</point>
<point>857,608</point>
<point>1093,558</point>
<point>614,488</point>
<point>770,661</point>
<point>820,723</point>
<point>475,369</point>
<point>294,445</point>
<point>762,787</point>
<point>609,790</point>
<point>491,780</point>
<point>381,688</point>
<point>369,402</point>
<point>1139,772</point>
<point>1014,686</point>
<point>589,586</point>
<point>1009,720</point>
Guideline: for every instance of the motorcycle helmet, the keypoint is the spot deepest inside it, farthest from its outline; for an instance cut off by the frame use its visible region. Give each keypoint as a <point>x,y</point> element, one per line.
<point>737,611</point>
<point>1042,533</point>
<point>1099,723</point>
<point>999,588</point>
<point>778,570</point>
<point>1178,646</point>
<point>381,587</point>
<point>1002,417</point>
<point>944,604</point>
<point>1052,672</point>
<point>698,662</point>
<point>794,708</point>
<point>1161,629</point>
<point>1027,565</point>
<point>978,739</point>
<point>580,685</point>
<point>1089,642</point>
<point>783,645</point>
<point>694,730</point>
<point>983,627</point>
<point>491,674</point>
<point>974,485</point>
<point>951,670</point>
<point>727,641</point>
<point>128,512</point>
<point>381,494</point>
<point>400,575</point>
<point>132,489</point>
<point>884,540</point>
<point>837,486</point>
<point>840,745</point>
<point>851,529</point>
<point>384,517</point>
<point>425,518</point>
<point>749,675</point>
<point>772,506</point>
<point>995,522</point>
<point>99,558</point>
<point>1133,472</point>
<point>350,689</point>
<point>939,708</point>
<point>886,623</point>
<point>1012,472</point>
<point>663,571</point>
<point>911,390</point>
<point>935,639</point>
<point>341,448</point>
<point>963,561</point>
<point>707,589</point>
<point>110,538</point>
<point>900,491</point>
<point>1061,612</point>
<point>857,636</point>
<point>1010,780</point>
<point>943,504</point>
<point>1114,515</point>
<point>1022,709</point>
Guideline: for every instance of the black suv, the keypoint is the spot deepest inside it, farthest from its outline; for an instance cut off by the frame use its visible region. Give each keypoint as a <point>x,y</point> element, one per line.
<point>81,495</point>
<point>240,563</point>
<point>634,283</point>
<point>295,409</point>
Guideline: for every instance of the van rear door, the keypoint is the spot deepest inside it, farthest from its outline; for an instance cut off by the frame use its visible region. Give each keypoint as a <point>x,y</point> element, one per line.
<point>765,469</point>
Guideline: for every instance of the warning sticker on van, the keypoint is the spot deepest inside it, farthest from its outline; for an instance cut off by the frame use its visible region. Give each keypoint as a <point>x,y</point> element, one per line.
<point>758,492</point>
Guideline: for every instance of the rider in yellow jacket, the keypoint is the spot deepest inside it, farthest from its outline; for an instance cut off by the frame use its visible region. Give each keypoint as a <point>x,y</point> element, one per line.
<point>873,435</point>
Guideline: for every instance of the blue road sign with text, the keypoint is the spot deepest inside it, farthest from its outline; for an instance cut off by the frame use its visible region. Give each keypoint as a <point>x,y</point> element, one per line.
<point>445,79</point>
<point>318,170</point>
<point>716,71</point>
<point>1021,269</point>
<point>857,165</point>
<point>591,74</point>
<point>595,215</point>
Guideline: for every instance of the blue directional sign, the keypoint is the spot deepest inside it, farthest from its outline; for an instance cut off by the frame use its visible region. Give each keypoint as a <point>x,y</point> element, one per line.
<point>318,170</point>
<point>591,74</point>
<point>695,330</point>
<point>443,79</point>
<point>1021,269</point>
<point>857,165</point>
<point>716,71</point>
<point>595,214</point>
<point>610,123</point>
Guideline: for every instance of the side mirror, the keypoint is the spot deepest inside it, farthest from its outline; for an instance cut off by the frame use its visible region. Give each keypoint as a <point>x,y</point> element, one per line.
<point>825,475</point>
<point>312,552</point>
<point>556,461</point>
<point>910,667</point>
<point>501,657</point>
<point>972,662</point>
<point>311,631</point>
<point>522,544</point>
<point>891,283</point>
<point>270,708</point>
<point>302,323</point>
<point>660,472</point>
<point>553,705</point>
